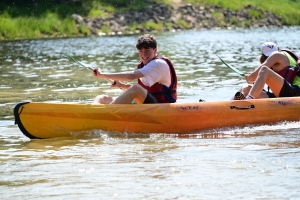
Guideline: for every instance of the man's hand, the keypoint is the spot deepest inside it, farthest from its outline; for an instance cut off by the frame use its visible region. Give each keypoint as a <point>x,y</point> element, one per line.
<point>96,71</point>
<point>119,84</point>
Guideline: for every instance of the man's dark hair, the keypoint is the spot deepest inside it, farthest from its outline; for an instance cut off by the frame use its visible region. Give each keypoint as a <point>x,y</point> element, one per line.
<point>146,41</point>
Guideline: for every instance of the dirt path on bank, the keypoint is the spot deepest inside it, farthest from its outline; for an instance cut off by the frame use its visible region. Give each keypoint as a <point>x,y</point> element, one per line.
<point>176,1</point>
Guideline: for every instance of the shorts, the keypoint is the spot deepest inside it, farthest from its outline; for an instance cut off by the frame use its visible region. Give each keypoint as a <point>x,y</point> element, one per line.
<point>289,90</point>
<point>150,99</point>
<point>270,94</point>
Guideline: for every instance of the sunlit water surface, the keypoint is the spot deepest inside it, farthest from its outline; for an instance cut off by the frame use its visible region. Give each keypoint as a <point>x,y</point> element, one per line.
<point>249,162</point>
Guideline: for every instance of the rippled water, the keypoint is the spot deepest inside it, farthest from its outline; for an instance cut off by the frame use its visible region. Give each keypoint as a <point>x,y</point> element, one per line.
<point>252,162</point>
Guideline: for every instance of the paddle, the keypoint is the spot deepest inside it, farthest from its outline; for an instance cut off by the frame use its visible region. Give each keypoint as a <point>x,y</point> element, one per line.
<point>83,65</point>
<point>231,67</point>
<point>78,62</point>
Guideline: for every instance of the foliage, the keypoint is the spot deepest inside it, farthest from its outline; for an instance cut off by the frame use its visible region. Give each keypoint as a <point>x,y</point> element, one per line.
<point>184,24</point>
<point>219,17</point>
<point>235,21</point>
<point>256,14</point>
<point>31,27</point>
<point>154,26</point>
<point>105,29</point>
<point>289,10</point>
<point>28,19</point>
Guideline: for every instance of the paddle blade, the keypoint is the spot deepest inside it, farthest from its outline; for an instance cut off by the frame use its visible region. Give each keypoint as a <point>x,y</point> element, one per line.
<point>231,67</point>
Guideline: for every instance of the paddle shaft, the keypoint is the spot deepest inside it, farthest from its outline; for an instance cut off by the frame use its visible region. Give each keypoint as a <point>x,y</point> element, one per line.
<point>89,68</point>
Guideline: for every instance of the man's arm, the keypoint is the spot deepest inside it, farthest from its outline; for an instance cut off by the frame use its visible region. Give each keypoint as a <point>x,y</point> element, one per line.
<point>275,61</point>
<point>124,76</point>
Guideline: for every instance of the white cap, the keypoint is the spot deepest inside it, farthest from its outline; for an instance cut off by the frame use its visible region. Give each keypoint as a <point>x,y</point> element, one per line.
<point>268,48</point>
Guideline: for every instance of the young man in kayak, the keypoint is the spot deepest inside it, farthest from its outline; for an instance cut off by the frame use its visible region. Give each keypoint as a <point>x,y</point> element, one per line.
<point>277,71</point>
<point>157,80</point>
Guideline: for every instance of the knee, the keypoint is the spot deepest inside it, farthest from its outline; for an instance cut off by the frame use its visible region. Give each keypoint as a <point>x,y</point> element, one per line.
<point>103,99</point>
<point>246,89</point>
<point>137,92</point>
<point>264,70</point>
<point>135,88</point>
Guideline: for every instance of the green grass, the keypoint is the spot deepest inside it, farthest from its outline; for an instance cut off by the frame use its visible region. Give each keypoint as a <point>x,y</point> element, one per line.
<point>98,10</point>
<point>183,24</point>
<point>289,10</point>
<point>28,19</point>
<point>32,27</point>
<point>154,26</point>
<point>256,14</point>
<point>219,17</point>
<point>105,29</point>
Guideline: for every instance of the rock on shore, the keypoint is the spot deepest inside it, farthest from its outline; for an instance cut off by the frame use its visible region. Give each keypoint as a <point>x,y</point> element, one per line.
<point>162,17</point>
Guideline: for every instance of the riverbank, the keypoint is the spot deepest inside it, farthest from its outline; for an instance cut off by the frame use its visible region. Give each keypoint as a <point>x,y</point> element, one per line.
<point>163,17</point>
<point>77,18</point>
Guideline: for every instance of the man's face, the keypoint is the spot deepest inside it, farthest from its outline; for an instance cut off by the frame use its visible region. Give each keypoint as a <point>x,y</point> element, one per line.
<point>146,55</point>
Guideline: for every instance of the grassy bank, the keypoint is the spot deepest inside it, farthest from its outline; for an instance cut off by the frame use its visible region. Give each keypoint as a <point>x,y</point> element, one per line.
<point>29,19</point>
<point>288,10</point>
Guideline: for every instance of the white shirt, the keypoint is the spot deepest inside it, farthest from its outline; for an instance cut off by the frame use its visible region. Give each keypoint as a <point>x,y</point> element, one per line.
<point>157,70</point>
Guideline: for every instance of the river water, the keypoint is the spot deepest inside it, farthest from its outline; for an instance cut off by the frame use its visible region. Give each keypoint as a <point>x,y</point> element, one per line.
<point>248,162</point>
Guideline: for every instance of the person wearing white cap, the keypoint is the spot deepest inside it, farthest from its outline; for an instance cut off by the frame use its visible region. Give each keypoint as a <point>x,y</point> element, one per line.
<point>277,70</point>
<point>268,48</point>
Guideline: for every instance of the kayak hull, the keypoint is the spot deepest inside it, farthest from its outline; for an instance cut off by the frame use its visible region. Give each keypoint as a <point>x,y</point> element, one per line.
<point>48,120</point>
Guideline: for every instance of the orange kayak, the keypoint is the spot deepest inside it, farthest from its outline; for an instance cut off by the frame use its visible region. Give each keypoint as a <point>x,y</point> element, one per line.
<point>48,120</point>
